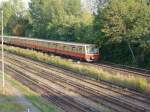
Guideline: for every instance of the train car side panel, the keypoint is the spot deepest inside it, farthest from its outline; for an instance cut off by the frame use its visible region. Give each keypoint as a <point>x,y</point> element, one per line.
<point>81,51</point>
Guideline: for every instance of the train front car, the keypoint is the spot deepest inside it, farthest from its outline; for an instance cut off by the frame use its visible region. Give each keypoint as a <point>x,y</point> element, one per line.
<point>92,53</point>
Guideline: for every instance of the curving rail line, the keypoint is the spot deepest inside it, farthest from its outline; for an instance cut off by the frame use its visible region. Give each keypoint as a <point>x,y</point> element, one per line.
<point>124,101</point>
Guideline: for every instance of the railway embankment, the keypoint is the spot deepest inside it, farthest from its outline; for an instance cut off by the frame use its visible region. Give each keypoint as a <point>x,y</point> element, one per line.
<point>13,97</point>
<point>19,98</point>
<point>132,82</point>
<point>10,101</point>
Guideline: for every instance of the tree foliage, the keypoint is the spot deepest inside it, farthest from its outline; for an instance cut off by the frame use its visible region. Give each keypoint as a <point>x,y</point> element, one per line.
<point>125,21</point>
<point>121,28</point>
<point>14,15</point>
<point>58,20</point>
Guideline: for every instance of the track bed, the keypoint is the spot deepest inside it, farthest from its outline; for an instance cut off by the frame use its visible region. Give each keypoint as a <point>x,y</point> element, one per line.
<point>72,92</point>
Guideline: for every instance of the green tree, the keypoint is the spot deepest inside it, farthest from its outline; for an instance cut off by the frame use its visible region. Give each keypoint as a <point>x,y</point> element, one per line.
<point>72,7</point>
<point>59,20</point>
<point>125,20</point>
<point>14,13</point>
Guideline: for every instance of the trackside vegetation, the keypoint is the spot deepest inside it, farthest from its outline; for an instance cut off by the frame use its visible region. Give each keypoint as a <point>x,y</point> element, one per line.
<point>131,82</point>
<point>9,103</point>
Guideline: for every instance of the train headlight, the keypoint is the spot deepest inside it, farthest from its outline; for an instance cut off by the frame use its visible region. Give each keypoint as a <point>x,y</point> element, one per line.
<point>92,58</point>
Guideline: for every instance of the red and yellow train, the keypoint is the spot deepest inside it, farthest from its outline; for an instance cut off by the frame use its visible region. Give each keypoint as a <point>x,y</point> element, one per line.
<point>88,52</point>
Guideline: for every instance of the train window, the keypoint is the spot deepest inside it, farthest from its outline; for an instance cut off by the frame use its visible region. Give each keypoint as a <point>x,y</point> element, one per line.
<point>50,45</point>
<point>80,50</point>
<point>37,43</point>
<point>64,48</point>
<point>68,48</point>
<point>59,46</point>
<point>73,49</point>
<point>45,44</point>
<point>30,42</point>
<point>17,42</point>
<point>40,44</point>
<point>92,49</point>
<point>84,49</point>
<point>54,45</point>
<point>77,49</point>
<point>24,42</point>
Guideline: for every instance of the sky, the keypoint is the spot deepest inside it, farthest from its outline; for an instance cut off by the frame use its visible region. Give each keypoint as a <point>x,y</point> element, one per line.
<point>25,1</point>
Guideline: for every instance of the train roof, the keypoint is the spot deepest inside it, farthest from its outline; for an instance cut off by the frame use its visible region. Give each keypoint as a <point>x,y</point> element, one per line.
<point>53,41</point>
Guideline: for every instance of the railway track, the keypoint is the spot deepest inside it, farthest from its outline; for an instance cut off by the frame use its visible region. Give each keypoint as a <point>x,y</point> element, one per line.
<point>76,88</point>
<point>74,75</point>
<point>121,69</point>
<point>64,102</point>
<point>124,101</point>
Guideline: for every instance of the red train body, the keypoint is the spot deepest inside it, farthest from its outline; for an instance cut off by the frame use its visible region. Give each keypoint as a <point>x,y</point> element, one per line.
<point>88,52</point>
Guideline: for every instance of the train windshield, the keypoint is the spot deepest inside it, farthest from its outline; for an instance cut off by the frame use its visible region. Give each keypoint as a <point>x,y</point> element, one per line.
<point>92,50</point>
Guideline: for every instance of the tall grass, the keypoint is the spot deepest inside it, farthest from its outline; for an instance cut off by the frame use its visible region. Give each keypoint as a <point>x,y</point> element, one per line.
<point>132,82</point>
